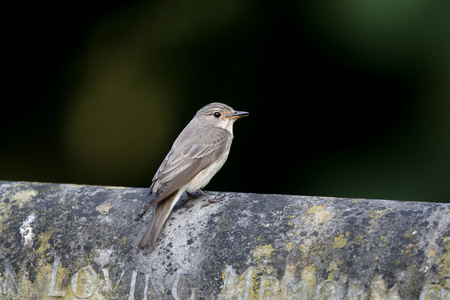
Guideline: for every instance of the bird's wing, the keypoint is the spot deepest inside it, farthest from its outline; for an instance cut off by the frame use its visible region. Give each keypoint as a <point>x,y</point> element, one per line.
<point>183,161</point>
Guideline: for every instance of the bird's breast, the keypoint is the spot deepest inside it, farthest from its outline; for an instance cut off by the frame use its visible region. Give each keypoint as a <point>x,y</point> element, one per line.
<point>204,176</point>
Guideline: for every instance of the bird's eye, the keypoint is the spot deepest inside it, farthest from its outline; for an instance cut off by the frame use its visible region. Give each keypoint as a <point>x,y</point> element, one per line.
<point>217,114</point>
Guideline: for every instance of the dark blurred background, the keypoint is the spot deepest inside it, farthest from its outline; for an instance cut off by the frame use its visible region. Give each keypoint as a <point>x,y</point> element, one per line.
<point>348,98</point>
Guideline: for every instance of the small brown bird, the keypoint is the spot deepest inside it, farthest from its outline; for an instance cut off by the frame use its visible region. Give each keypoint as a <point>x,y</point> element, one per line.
<point>196,156</point>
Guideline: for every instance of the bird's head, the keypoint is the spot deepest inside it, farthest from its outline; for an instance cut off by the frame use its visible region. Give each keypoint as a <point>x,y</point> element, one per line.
<point>219,115</point>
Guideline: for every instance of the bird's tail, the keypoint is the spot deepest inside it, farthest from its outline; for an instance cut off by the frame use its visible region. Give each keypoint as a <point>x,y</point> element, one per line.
<point>163,209</point>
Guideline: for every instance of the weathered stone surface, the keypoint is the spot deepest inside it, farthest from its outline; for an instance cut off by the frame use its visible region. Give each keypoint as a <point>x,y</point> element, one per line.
<point>79,242</point>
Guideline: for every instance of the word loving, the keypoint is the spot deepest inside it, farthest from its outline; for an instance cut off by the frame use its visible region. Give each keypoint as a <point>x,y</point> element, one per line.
<point>86,283</point>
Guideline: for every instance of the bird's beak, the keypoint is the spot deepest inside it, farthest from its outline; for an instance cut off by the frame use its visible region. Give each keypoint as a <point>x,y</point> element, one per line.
<point>238,115</point>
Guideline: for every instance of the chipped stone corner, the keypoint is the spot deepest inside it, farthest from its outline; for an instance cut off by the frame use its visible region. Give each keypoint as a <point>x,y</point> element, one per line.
<point>26,230</point>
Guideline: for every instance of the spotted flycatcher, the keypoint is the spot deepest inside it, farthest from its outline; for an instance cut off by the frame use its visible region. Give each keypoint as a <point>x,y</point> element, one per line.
<point>196,156</point>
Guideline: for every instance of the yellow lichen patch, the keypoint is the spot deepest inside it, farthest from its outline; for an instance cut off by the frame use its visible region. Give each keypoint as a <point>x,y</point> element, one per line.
<point>322,217</point>
<point>263,256</point>
<point>431,253</point>
<point>411,249</point>
<point>358,239</point>
<point>104,208</point>
<point>24,196</point>
<point>331,270</point>
<point>375,214</point>
<point>289,246</point>
<point>443,262</point>
<point>309,248</point>
<point>41,283</point>
<point>318,247</point>
<point>43,239</point>
<point>318,214</point>
<point>20,199</point>
<point>339,242</point>
<point>290,218</point>
<point>263,252</point>
<point>309,274</point>
<point>380,290</point>
<point>235,286</point>
<point>85,282</point>
<point>39,288</point>
<point>290,271</point>
<point>305,247</point>
<point>315,209</point>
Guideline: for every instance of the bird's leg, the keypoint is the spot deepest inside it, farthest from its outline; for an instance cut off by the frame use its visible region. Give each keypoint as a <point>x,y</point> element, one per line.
<point>190,197</point>
<point>210,201</point>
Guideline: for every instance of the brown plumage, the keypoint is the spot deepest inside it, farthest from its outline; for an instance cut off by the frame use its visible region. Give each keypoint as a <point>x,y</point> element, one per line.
<point>196,156</point>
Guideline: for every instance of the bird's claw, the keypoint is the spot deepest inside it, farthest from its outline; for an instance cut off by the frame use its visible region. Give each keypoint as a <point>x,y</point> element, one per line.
<point>211,201</point>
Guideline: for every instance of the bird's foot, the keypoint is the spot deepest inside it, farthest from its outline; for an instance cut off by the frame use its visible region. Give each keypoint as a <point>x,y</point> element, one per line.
<point>210,201</point>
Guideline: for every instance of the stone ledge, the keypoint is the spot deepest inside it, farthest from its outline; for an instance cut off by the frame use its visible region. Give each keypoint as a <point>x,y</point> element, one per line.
<point>64,241</point>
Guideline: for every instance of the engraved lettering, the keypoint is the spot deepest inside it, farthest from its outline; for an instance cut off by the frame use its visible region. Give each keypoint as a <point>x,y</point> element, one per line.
<point>302,287</point>
<point>356,291</point>
<point>132,285</point>
<point>147,276</point>
<point>248,283</point>
<point>9,273</point>
<point>84,283</point>
<point>328,289</point>
<point>52,292</point>
<point>433,291</point>
<point>272,287</point>
<point>229,271</point>
<point>175,287</point>
<point>230,276</point>
<point>157,291</point>
<point>109,286</point>
<point>378,290</point>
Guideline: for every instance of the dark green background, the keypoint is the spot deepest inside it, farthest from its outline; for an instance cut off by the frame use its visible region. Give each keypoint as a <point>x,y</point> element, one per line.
<point>348,98</point>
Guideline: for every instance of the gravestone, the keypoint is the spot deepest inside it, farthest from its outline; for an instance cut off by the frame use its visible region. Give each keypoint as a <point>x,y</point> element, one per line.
<point>65,241</point>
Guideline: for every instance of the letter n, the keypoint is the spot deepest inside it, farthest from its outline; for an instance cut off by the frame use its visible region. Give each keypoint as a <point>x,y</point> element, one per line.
<point>9,274</point>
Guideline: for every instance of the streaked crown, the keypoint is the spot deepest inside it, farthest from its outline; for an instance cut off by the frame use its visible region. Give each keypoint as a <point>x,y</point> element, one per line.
<point>214,107</point>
